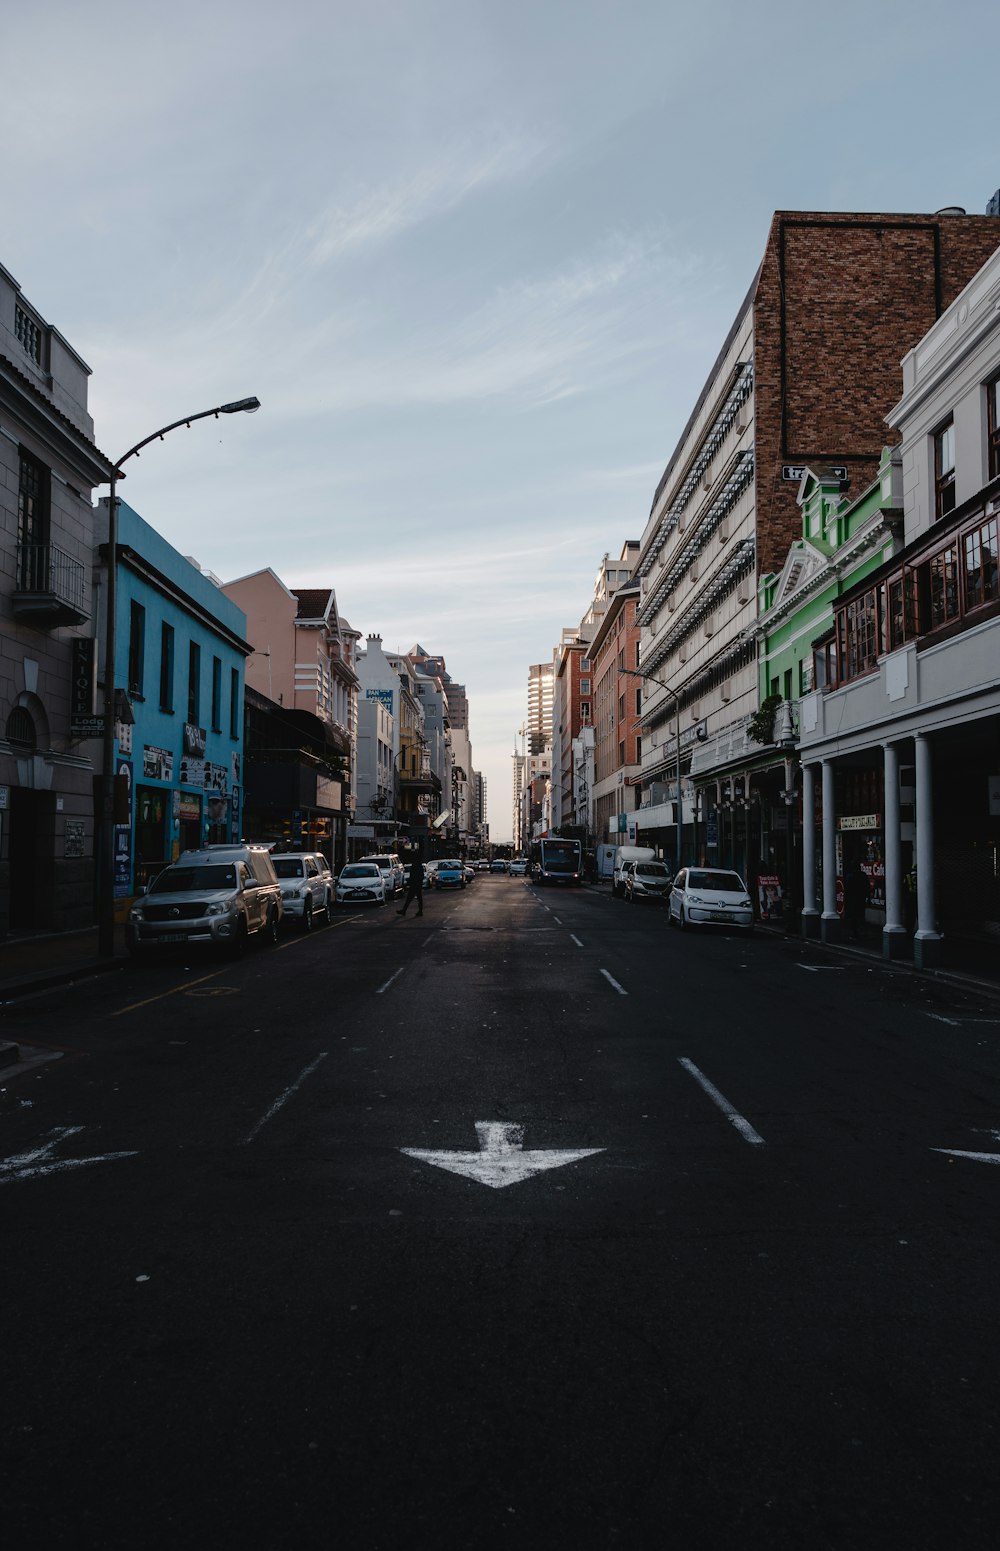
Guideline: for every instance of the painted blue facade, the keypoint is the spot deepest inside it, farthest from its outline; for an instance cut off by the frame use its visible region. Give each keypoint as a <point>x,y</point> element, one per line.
<point>180,652</point>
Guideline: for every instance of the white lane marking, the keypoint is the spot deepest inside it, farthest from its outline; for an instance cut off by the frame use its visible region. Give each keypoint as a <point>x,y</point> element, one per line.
<point>557,920</point>
<point>388,983</point>
<point>734,1117</point>
<point>612,981</point>
<point>977,1157</point>
<point>26,1165</point>
<point>814,969</point>
<point>284,1097</point>
<point>955,1022</point>
<point>500,1160</point>
<point>576,939</point>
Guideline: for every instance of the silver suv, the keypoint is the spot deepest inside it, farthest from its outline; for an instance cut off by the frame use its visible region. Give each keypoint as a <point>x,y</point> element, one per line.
<point>221,896</point>
<point>306,886</point>
<point>392,871</point>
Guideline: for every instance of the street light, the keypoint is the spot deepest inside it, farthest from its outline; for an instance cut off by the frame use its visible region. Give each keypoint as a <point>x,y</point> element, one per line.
<point>106,911</point>
<point>679,813</point>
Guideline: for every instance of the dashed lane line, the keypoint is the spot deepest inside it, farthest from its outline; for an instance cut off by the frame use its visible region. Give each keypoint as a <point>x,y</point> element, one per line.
<point>576,939</point>
<point>612,981</point>
<point>388,983</point>
<point>734,1117</point>
<point>284,1097</point>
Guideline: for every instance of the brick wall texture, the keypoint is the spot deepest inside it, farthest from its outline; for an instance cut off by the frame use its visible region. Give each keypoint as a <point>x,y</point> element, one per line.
<point>840,299</point>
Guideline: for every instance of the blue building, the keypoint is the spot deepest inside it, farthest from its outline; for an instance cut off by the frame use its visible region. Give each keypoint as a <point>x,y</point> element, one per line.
<point>181,648</point>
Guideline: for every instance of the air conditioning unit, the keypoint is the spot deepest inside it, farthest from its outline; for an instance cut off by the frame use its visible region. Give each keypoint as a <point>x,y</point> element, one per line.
<point>706,479</point>
<point>710,625</point>
<point>743,591</point>
<point>695,570</point>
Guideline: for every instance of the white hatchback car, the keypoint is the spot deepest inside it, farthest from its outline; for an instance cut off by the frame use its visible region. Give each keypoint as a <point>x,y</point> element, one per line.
<point>709,896</point>
<point>306,886</point>
<point>361,883</point>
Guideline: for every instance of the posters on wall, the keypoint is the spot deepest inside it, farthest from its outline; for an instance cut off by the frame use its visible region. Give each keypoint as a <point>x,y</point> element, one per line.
<point>157,764</point>
<point>123,835</point>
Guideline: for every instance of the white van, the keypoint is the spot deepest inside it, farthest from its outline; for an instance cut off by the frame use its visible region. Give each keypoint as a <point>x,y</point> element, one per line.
<point>623,856</point>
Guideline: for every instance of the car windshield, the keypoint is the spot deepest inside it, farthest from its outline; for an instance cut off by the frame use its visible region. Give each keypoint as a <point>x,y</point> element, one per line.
<point>288,866</point>
<point>360,870</point>
<point>724,882</point>
<point>184,880</point>
<point>452,865</point>
<point>651,870</point>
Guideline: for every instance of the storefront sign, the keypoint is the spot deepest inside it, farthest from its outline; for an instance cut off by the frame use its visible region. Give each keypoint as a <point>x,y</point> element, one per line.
<point>860,821</point>
<point>157,764</point>
<point>190,808</point>
<point>795,471</point>
<point>74,837</point>
<point>194,740</point>
<point>384,696</point>
<point>83,723</point>
<point>769,897</point>
<point>123,835</point>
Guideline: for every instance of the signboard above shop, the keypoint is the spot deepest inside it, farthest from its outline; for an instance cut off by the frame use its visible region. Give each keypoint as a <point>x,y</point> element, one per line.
<point>860,821</point>
<point>795,471</point>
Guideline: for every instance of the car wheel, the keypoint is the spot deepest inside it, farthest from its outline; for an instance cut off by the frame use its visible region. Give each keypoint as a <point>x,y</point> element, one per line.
<point>328,912</point>
<point>239,944</point>
<point>271,929</point>
<point>307,917</point>
<point>682,920</point>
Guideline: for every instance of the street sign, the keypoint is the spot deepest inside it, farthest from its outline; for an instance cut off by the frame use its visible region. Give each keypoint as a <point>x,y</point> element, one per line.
<point>500,1160</point>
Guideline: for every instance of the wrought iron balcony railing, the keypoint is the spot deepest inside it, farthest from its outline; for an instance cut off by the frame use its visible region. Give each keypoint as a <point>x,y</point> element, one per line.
<point>49,586</point>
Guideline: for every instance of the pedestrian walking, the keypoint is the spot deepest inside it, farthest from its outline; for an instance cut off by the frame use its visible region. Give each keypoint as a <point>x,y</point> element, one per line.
<point>414,888</point>
<point>855,900</point>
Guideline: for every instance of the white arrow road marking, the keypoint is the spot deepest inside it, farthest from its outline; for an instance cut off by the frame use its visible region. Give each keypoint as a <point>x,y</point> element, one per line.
<point>26,1165</point>
<point>734,1117</point>
<point>500,1160</point>
<point>977,1157</point>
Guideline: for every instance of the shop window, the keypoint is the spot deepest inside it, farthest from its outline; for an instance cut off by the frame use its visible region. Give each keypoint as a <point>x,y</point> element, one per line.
<point>216,694</point>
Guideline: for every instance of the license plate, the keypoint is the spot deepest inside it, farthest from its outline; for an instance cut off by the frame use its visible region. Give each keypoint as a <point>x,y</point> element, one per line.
<point>164,937</point>
<point>720,915</point>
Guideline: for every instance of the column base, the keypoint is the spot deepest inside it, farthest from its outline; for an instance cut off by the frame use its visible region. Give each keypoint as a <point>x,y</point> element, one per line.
<point>809,925</point>
<point>831,929</point>
<point>928,950</point>
<point>895,942</point>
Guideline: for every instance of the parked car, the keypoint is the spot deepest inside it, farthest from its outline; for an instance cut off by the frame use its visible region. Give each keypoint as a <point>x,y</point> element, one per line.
<point>470,871</point>
<point>624,857</point>
<point>450,874</point>
<point>306,886</point>
<point>709,896</point>
<point>219,896</point>
<point>498,866</point>
<point>362,883</point>
<point>430,874</point>
<point>392,868</point>
<point>647,881</point>
<point>518,867</point>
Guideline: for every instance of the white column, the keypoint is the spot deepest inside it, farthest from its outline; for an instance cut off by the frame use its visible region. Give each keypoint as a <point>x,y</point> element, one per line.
<point>830,920</point>
<point>926,936</point>
<point>894,930</point>
<point>810,915</point>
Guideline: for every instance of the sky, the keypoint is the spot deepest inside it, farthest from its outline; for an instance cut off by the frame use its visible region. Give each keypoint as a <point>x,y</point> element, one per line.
<point>475,258</point>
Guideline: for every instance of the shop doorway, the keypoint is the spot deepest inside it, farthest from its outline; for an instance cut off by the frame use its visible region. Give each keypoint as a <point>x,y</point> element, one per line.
<point>152,806</point>
<point>32,821</point>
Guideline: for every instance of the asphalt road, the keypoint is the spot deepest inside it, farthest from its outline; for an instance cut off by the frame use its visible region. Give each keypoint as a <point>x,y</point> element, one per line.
<point>244,1308</point>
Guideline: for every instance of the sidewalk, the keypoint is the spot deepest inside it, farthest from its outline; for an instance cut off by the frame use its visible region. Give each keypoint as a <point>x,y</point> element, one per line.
<point>972,965</point>
<point>31,961</point>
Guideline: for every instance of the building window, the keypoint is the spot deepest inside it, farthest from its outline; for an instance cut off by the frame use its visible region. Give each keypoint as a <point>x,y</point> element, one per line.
<point>638,750</point>
<point>638,702</point>
<point>136,647</point>
<point>32,522</point>
<point>585,712</point>
<point>621,751</point>
<point>166,667</point>
<point>29,334</point>
<point>216,694</point>
<point>980,564</point>
<point>944,470</point>
<point>234,702</point>
<point>585,686</point>
<point>637,654</point>
<point>621,708</point>
<point>993,416</point>
<point>858,636</point>
<point>943,576</point>
<point>194,684</point>
<point>584,664</point>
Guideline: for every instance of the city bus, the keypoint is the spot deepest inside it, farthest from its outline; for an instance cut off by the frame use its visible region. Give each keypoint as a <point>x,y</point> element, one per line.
<point>557,861</point>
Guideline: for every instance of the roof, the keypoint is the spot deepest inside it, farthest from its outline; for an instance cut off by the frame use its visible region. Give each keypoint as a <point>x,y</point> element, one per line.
<point>314,602</point>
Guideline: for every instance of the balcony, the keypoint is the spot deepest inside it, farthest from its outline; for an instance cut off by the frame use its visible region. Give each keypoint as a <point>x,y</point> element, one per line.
<point>49,587</point>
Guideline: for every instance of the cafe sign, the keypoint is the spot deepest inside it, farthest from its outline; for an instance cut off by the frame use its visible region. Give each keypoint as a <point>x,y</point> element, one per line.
<point>860,821</point>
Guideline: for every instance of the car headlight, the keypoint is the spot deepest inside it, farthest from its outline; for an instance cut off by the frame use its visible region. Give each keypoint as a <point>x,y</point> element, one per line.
<point>217,909</point>
<point>135,914</point>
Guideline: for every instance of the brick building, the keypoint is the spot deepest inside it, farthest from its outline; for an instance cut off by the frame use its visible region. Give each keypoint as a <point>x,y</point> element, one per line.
<point>614,656</point>
<point>806,375</point>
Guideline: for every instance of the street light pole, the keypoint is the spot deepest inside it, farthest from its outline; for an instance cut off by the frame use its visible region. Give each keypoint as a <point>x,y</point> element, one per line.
<point>679,813</point>
<point>106,899</point>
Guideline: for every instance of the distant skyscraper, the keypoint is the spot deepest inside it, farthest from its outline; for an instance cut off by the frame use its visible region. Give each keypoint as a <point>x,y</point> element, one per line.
<point>539,706</point>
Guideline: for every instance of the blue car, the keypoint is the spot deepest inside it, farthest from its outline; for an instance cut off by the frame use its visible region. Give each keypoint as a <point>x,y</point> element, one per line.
<point>450,875</point>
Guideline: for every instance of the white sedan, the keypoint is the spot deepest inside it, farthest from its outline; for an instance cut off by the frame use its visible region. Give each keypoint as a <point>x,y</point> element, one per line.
<point>361,883</point>
<point>709,896</point>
